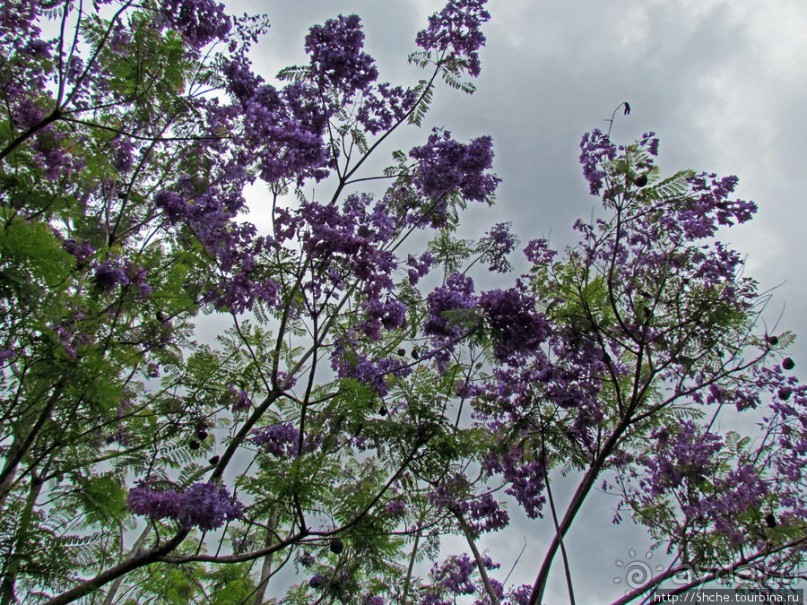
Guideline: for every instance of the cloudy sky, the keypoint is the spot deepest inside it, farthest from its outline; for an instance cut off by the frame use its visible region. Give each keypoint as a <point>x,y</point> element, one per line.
<point>722,83</point>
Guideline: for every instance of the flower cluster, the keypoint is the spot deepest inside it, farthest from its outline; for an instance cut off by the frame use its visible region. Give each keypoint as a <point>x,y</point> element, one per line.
<point>496,245</point>
<point>419,266</point>
<point>525,479</point>
<point>383,105</point>
<point>281,440</point>
<point>539,253</point>
<point>516,326</point>
<point>447,306</point>
<point>204,505</point>
<point>687,462</point>
<point>595,149</point>
<point>337,60</point>
<point>687,455</point>
<point>445,167</point>
<point>455,574</point>
<point>116,272</point>
<point>282,130</point>
<point>457,30</point>
<point>199,21</point>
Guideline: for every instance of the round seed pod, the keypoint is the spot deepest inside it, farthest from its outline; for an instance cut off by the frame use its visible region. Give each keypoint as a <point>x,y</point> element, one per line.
<point>336,546</point>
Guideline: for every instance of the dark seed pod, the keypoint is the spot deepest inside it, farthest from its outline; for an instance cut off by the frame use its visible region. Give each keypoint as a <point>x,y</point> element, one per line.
<point>162,317</point>
<point>788,363</point>
<point>401,352</point>
<point>784,393</point>
<point>772,340</point>
<point>214,460</point>
<point>383,411</point>
<point>770,520</point>
<point>194,445</point>
<point>201,434</point>
<point>415,354</point>
<point>337,546</point>
<point>640,181</point>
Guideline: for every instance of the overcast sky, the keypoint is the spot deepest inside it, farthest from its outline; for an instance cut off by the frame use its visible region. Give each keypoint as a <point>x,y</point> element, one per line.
<point>722,83</point>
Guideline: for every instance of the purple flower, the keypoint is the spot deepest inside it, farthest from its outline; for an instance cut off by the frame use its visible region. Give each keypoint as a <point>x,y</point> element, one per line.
<point>419,266</point>
<point>457,30</point>
<point>204,505</point>
<point>455,574</point>
<point>445,166</point>
<point>82,252</point>
<point>395,507</point>
<point>516,326</point>
<point>384,106</point>
<point>317,581</point>
<point>595,149</point>
<point>447,305</point>
<point>538,252</point>
<point>199,21</point>
<point>280,440</point>
<point>336,53</point>
<point>496,245</point>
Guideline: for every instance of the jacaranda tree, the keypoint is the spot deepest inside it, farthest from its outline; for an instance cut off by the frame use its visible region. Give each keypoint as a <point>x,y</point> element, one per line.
<point>367,399</point>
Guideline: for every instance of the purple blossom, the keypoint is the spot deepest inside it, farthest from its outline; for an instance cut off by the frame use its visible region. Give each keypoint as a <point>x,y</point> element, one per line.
<point>307,559</point>
<point>396,507</point>
<point>369,370</point>
<point>517,327</point>
<point>688,454</point>
<point>455,574</point>
<point>595,149</point>
<point>445,167</point>
<point>82,252</point>
<point>280,440</point>
<point>116,272</point>
<point>520,595</point>
<point>649,142</point>
<point>419,266</point>
<point>238,398</point>
<point>317,581</point>
<point>538,252</point>
<point>204,505</point>
<point>337,59</point>
<point>496,245</point>
<point>457,30</point>
<point>447,306</point>
<point>199,21</point>
<point>383,106</point>
<point>526,479</point>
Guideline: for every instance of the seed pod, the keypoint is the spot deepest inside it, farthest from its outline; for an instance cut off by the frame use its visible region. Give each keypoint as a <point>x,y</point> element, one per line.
<point>401,352</point>
<point>772,340</point>
<point>214,460</point>
<point>382,411</point>
<point>201,434</point>
<point>194,445</point>
<point>788,363</point>
<point>770,520</point>
<point>640,181</point>
<point>337,546</point>
<point>784,393</point>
